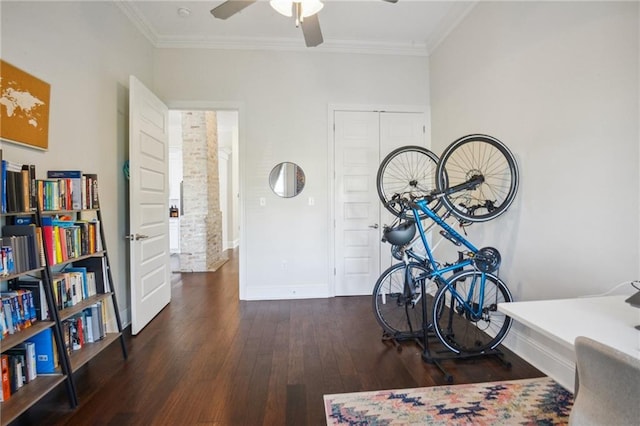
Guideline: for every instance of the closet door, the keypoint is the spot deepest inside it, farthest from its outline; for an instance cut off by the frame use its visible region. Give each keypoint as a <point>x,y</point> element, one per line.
<point>361,140</point>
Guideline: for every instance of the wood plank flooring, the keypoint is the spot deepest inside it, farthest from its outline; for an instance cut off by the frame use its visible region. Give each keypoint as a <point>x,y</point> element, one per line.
<point>209,358</point>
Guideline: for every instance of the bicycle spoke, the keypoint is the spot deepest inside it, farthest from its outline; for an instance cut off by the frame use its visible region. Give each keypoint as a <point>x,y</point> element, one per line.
<point>461,329</point>
<point>478,155</point>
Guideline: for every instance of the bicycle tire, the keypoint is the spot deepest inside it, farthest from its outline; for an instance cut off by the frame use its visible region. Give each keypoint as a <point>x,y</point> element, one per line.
<point>408,170</point>
<point>478,155</point>
<point>393,310</point>
<point>460,332</point>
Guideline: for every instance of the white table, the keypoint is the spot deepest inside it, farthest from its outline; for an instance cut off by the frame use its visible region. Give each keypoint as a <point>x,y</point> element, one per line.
<point>609,320</point>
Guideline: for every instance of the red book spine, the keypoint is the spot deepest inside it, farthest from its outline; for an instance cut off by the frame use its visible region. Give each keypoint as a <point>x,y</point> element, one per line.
<point>6,384</point>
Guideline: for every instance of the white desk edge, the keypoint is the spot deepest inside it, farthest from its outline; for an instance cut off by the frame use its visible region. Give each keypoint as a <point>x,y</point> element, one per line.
<point>609,320</point>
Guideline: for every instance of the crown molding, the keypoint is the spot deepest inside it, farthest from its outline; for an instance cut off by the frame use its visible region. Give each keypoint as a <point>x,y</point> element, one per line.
<point>132,12</point>
<point>453,18</point>
<point>457,13</point>
<point>287,44</point>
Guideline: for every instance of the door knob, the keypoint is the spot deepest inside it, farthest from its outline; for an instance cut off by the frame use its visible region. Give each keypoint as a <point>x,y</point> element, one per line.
<point>374,226</point>
<point>136,237</point>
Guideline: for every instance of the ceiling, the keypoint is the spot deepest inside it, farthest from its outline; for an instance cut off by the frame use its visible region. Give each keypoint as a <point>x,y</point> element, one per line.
<point>408,27</point>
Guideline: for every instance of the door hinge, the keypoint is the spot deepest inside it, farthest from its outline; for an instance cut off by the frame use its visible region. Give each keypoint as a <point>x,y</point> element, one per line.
<point>424,129</point>
<point>334,271</point>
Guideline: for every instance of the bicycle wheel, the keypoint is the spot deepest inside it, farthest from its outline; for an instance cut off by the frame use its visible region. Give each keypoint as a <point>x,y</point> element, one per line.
<point>458,329</point>
<point>408,170</point>
<point>396,310</point>
<point>478,155</point>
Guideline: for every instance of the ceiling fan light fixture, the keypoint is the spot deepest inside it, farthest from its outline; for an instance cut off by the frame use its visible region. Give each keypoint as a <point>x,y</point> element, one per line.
<point>285,7</point>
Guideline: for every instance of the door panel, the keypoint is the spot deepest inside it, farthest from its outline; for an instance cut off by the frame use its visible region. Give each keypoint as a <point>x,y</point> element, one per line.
<point>357,209</point>
<point>361,141</point>
<point>148,215</point>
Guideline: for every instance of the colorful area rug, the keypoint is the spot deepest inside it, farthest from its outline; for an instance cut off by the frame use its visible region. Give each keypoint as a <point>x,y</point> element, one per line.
<point>539,401</point>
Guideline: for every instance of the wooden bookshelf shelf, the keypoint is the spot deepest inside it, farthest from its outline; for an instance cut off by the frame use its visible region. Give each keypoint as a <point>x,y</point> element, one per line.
<point>28,395</point>
<point>75,259</point>
<point>89,350</point>
<point>22,335</point>
<point>21,274</point>
<point>79,307</point>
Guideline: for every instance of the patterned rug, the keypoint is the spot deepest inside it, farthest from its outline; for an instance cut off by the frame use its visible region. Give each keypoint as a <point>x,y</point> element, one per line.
<point>539,401</point>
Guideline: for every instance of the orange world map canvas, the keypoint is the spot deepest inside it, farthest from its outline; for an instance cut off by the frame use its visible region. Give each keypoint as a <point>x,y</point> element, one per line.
<point>24,107</point>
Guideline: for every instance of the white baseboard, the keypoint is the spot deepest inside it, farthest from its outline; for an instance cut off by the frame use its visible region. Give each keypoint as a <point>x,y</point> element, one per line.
<point>230,244</point>
<point>548,356</point>
<point>286,292</point>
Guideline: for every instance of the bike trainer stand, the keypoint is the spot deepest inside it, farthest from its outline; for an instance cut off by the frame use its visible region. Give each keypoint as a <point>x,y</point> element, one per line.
<point>422,337</point>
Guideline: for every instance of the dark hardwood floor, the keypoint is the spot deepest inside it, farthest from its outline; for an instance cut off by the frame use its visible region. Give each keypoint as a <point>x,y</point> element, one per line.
<point>209,358</point>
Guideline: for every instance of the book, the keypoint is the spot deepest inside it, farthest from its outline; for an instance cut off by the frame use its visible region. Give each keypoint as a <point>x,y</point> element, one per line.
<point>9,314</point>
<point>99,268</point>
<point>36,287</point>
<point>48,240</point>
<point>75,191</point>
<point>92,190</point>
<point>44,350</point>
<point>32,372</point>
<point>31,250</point>
<point>25,183</point>
<point>4,328</point>
<point>16,377</point>
<point>88,320</point>
<point>4,369</point>
<point>33,188</point>
<point>12,173</point>
<point>20,352</point>
<point>3,186</point>
<point>81,272</point>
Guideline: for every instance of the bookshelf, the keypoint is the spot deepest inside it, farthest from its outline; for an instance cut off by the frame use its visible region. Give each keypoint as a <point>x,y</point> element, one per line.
<point>31,392</point>
<point>71,261</point>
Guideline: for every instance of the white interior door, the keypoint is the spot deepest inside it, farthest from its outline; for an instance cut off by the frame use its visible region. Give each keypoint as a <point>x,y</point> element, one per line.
<point>149,208</point>
<point>357,211</point>
<point>361,141</point>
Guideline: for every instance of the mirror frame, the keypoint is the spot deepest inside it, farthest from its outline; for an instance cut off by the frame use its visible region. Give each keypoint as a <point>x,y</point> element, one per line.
<point>287,179</point>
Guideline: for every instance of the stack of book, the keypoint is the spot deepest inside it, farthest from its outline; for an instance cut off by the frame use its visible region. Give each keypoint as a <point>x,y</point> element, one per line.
<point>68,190</point>
<point>66,239</point>
<point>18,311</point>
<point>18,367</point>
<point>89,326</point>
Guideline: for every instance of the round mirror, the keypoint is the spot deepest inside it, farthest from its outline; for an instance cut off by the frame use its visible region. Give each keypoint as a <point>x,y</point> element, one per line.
<point>287,179</point>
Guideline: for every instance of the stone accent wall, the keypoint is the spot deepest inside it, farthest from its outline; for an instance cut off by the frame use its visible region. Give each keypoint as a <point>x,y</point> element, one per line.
<point>200,223</point>
<point>214,215</point>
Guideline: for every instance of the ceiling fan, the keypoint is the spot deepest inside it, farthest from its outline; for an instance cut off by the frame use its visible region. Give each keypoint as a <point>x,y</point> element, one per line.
<point>304,11</point>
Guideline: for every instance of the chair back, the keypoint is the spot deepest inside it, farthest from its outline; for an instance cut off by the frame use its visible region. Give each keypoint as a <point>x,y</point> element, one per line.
<point>608,385</point>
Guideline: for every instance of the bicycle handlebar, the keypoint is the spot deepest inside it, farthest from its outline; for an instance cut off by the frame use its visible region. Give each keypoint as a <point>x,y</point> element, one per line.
<point>408,201</point>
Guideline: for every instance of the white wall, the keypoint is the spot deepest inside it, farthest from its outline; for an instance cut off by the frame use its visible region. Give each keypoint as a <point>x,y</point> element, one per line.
<point>85,51</point>
<point>285,98</point>
<point>558,83</point>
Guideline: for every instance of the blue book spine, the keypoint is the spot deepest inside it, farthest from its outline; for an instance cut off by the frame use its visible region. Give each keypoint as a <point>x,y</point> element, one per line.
<point>64,174</point>
<point>3,186</point>
<point>44,351</point>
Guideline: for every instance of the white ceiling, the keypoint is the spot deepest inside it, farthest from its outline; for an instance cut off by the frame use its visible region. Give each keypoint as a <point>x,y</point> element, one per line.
<point>409,27</point>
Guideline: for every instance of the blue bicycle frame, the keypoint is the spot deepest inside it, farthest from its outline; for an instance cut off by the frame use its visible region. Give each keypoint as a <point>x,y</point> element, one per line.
<point>436,271</point>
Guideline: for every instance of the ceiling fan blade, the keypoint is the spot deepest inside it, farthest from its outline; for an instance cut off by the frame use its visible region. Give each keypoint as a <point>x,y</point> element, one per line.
<point>311,31</point>
<point>392,1</point>
<point>230,8</point>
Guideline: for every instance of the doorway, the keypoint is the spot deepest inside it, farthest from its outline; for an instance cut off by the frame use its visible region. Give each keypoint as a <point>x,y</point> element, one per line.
<point>203,188</point>
<point>361,139</point>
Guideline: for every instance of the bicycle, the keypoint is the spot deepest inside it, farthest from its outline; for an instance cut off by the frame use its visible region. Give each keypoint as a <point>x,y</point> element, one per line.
<point>464,302</point>
<point>476,177</point>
